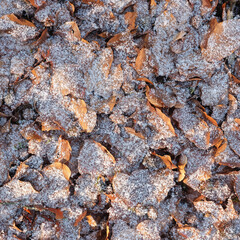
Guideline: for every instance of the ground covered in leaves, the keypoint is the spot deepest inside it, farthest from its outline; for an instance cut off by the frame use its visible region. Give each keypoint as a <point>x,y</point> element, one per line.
<point>120,119</point>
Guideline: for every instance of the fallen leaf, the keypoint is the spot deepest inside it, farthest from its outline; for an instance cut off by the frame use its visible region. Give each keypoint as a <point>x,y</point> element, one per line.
<point>24,22</point>
<point>76,31</point>
<point>91,221</point>
<point>65,169</point>
<point>236,80</point>
<point>58,213</point>
<point>89,2</point>
<point>167,161</point>
<point>181,166</point>
<point>221,148</point>
<point>166,119</point>
<point>130,18</point>
<point>237,120</point>
<point>206,116</point>
<point>106,151</point>
<point>71,8</point>
<point>143,79</point>
<point>80,218</point>
<point>179,36</point>
<point>6,127</point>
<point>31,132</point>
<point>153,98</point>
<point>42,37</point>
<point>115,40</point>
<point>132,131</point>
<point>140,60</point>
<point>49,126</point>
<point>153,3</point>
<point>63,149</point>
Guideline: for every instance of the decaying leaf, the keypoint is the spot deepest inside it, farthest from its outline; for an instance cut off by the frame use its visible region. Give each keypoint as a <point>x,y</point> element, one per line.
<point>153,3</point>
<point>89,2</point>
<point>115,40</point>
<point>63,150</point>
<point>236,80</point>
<point>6,127</point>
<point>221,148</point>
<point>181,166</point>
<point>58,213</point>
<point>237,120</point>
<point>91,221</point>
<point>71,8</point>
<point>132,131</point>
<point>80,218</point>
<point>130,18</point>
<point>166,119</point>
<point>179,36</point>
<point>76,32</point>
<point>65,169</point>
<point>143,79</point>
<point>106,151</point>
<point>42,37</point>
<point>25,22</point>
<point>153,98</point>
<point>206,116</point>
<point>167,160</point>
<point>31,132</point>
<point>49,126</point>
<point>140,60</point>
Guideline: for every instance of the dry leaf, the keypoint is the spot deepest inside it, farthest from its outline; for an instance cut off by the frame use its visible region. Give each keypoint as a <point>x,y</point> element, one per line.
<point>235,79</point>
<point>91,221</point>
<point>153,98</point>
<point>116,40</point>
<point>6,127</point>
<point>153,3</point>
<point>237,120</point>
<point>221,148</point>
<point>167,161</point>
<point>80,218</point>
<point>31,132</point>
<point>42,38</point>
<point>65,169</point>
<point>132,131</point>
<point>179,36</point>
<point>89,2</point>
<point>63,149</point>
<point>48,126</point>
<point>143,79</point>
<point>181,166</point>
<point>24,22</point>
<point>130,18</point>
<point>141,58</point>
<point>166,119</point>
<point>71,8</point>
<point>58,213</point>
<point>76,32</point>
<point>106,151</point>
<point>206,116</point>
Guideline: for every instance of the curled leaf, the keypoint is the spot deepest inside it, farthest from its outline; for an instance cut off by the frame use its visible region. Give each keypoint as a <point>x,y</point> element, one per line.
<point>63,149</point>
<point>80,218</point>
<point>76,31</point>
<point>91,221</point>
<point>140,60</point>
<point>221,148</point>
<point>65,169</point>
<point>58,213</point>
<point>132,131</point>
<point>167,161</point>
<point>181,166</point>
<point>143,79</point>
<point>153,98</point>
<point>130,18</point>
<point>25,22</point>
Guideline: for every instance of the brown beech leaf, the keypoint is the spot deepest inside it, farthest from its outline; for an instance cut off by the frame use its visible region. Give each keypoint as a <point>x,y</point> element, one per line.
<point>49,126</point>
<point>6,127</point>
<point>141,58</point>
<point>106,151</point>
<point>89,2</point>
<point>206,116</point>
<point>143,79</point>
<point>71,8</point>
<point>153,3</point>
<point>132,131</point>
<point>237,185</point>
<point>25,22</point>
<point>31,132</point>
<point>42,37</point>
<point>80,218</point>
<point>112,103</point>
<point>153,98</point>
<point>179,36</point>
<point>166,119</point>
<point>115,40</point>
<point>221,148</point>
<point>167,161</point>
<point>181,166</point>
<point>76,31</point>
<point>65,169</point>
<point>236,80</point>
<point>63,149</point>
<point>58,213</point>
<point>91,221</point>
<point>130,18</point>
<point>237,120</point>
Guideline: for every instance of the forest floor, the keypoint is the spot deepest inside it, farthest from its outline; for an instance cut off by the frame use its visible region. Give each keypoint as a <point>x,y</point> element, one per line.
<point>120,119</point>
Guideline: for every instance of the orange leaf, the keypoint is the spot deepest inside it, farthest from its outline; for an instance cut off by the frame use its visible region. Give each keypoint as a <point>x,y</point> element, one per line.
<point>153,3</point>
<point>221,148</point>
<point>166,119</point>
<point>42,38</point>
<point>153,98</point>
<point>63,149</point>
<point>106,151</point>
<point>31,133</point>
<point>130,18</point>
<point>76,32</point>
<point>47,126</point>
<point>143,79</point>
<point>112,103</point>
<point>181,166</point>
<point>65,169</point>
<point>89,2</point>
<point>80,218</point>
<point>25,22</point>
<point>71,8</point>
<point>91,221</point>
<point>237,120</point>
<point>167,160</point>
<point>58,213</point>
<point>132,131</point>
<point>235,79</point>
<point>141,58</point>
<point>115,40</point>
<point>210,119</point>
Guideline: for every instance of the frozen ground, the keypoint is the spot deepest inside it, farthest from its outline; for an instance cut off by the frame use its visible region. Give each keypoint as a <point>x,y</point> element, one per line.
<point>120,120</point>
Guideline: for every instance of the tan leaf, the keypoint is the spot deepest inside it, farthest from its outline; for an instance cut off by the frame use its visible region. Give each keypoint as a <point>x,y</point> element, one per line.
<point>130,18</point>
<point>49,126</point>
<point>181,167</point>
<point>153,98</point>
<point>58,213</point>
<point>115,40</point>
<point>91,221</point>
<point>206,116</point>
<point>143,79</point>
<point>237,120</point>
<point>6,127</point>
<point>31,132</point>
<point>42,38</point>
<point>80,218</point>
<point>112,103</point>
<point>153,3</point>
<point>132,131</point>
<point>167,161</point>
<point>106,151</point>
<point>65,169</point>
<point>179,36</point>
<point>71,8</point>
<point>76,32</point>
<point>236,80</point>
<point>221,148</point>
<point>63,149</point>
<point>141,58</point>
<point>25,22</point>
<point>89,2</point>
<point>166,119</point>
